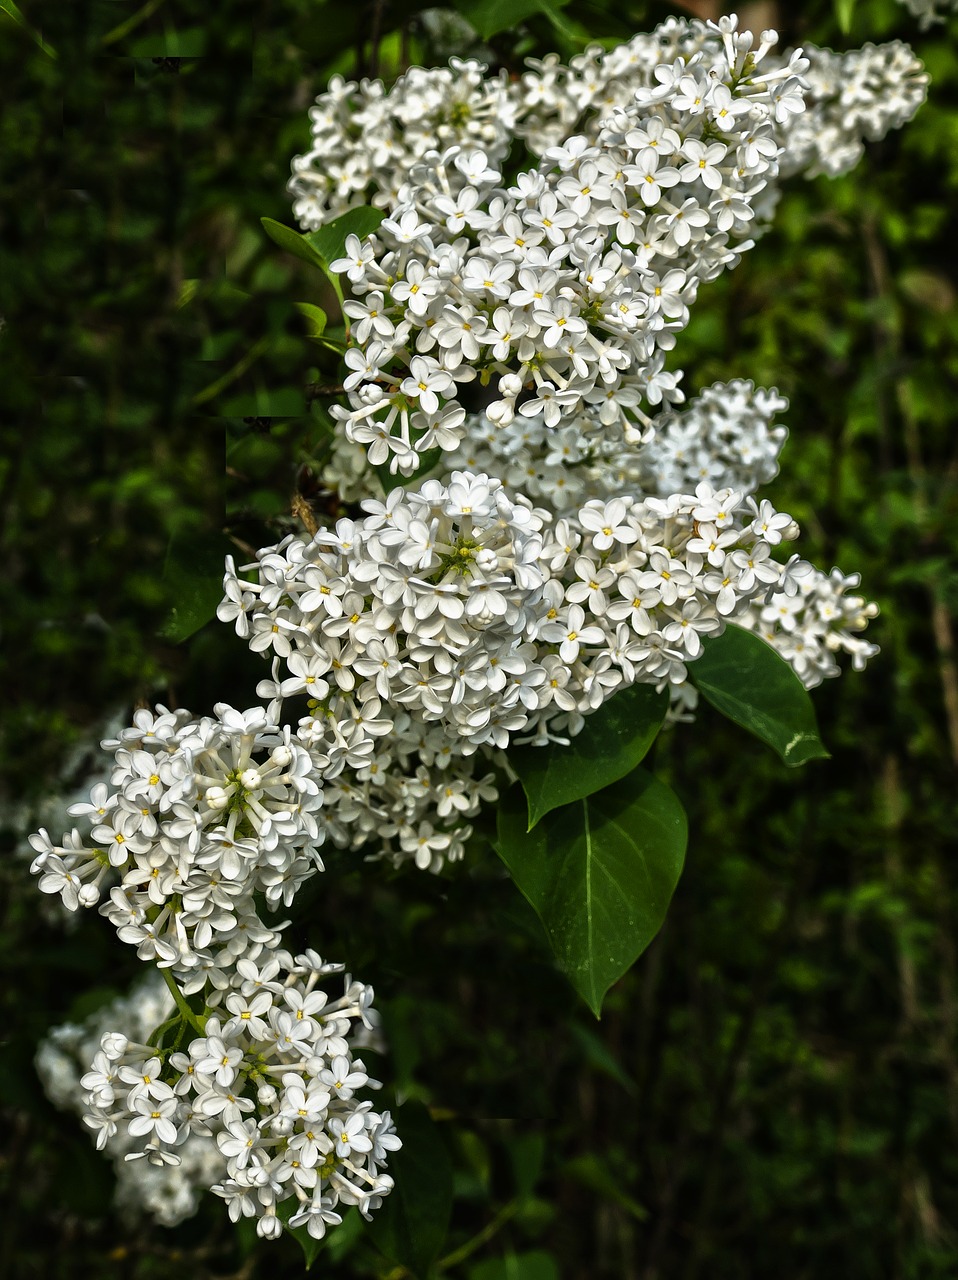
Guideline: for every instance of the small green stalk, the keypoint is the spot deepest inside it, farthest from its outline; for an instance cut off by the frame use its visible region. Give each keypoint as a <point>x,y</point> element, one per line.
<point>189,1016</point>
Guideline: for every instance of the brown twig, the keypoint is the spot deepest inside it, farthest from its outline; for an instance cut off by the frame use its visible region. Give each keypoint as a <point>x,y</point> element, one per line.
<point>302,509</point>
<point>316,389</point>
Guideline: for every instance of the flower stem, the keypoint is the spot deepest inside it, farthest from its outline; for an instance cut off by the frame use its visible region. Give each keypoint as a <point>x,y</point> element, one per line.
<point>189,1016</point>
<point>475,1242</point>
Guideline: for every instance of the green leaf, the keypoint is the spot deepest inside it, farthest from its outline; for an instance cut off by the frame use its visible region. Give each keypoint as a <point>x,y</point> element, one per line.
<point>389,481</point>
<point>193,574</point>
<point>322,247</point>
<point>344,1239</point>
<point>489,17</point>
<point>599,873</point>
<point>527,1152</point>
<point>598,1055</point>
<point>613,741</point>
<point>534,1265</point>
<point>293,242</point>
<point>11,10</point>
<point>411,1225</point>
<point>309,1245</point>
<point>315,318</point>
<point>593,1172</point>
<point>187,293</point>
<point>745,679</point>
<point>844,12</point>
<point>330,240</point>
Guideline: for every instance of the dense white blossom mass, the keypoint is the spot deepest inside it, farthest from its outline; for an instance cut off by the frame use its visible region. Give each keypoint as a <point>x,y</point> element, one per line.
<point>564,290</point>
<point>569,526</point>
<point>366,138</point>
<point>558,295</point>
<point>261,1107</point>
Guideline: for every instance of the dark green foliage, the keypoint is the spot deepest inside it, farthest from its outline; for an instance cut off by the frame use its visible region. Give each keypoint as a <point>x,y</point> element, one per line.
<point>612,742</point>
<point>773,1089</point>
<point>411,1228</point>
<point>600,874</point>
<point>747,681</point>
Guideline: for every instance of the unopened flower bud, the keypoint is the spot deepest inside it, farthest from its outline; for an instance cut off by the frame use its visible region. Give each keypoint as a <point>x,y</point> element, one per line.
<point>217,798</point>
<point>114,1045</point>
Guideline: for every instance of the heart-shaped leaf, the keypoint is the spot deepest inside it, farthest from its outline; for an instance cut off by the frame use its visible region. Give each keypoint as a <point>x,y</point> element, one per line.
<point>193,576</point>
<point>600,873</point>
<point>745,679</point>
<point>613,741</point>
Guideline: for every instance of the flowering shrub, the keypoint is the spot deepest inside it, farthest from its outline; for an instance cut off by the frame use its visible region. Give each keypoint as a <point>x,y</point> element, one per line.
<point>546,558</point>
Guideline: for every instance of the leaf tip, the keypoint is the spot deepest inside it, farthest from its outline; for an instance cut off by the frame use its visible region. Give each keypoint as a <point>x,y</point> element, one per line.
<point>804,748</point>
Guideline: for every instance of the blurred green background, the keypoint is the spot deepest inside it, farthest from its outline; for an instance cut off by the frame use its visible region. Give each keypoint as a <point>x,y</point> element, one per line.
<point>773,1090</point>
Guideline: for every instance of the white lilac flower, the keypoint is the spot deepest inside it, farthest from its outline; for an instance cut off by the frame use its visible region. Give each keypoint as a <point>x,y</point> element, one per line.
<point>848,96</point>
<point>204,814</point>
<point>473,595</point>
<point>585,323</point>
<point>250,1109</point>
<point>568,286</point>
<point>812,617</point>
<point>364,137</point>
<point>854,97</point>
<point>724,436</point>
